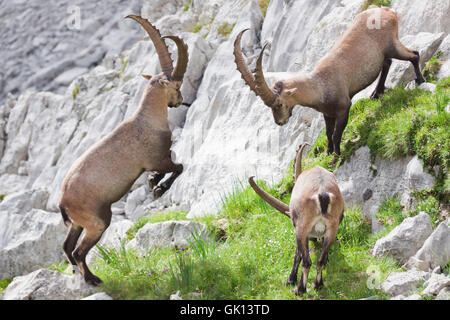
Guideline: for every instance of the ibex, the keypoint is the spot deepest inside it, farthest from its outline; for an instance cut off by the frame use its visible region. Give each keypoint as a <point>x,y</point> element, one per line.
<point>316,210</point>
<point>352,64</point>
<point>108,169</point>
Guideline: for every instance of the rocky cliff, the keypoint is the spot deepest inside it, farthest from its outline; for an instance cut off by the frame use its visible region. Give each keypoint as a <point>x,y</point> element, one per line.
<point>62,89</point>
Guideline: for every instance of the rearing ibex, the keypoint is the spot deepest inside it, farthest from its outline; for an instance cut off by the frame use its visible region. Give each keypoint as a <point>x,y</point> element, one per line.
<point>352,64</point>
<point>108,169</point>
<point>316,210</point>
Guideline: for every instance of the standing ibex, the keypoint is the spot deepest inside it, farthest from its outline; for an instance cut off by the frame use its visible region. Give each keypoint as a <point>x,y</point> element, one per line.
<point>316,210</point>
<point>108,169</point>
<point>353,63</point>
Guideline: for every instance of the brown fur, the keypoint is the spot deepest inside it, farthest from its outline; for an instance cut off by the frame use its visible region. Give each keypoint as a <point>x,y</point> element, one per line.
<point>352,64</point>
<point>306,215</point>
<point>108,169</point>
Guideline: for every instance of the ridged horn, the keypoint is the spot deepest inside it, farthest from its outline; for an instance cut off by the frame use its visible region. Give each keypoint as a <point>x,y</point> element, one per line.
<point>161,48</point>
<point>274,202</point>
<point>183,58</point>
<point>242,67</point>
<point>266,94</point>
<point>298,162</point>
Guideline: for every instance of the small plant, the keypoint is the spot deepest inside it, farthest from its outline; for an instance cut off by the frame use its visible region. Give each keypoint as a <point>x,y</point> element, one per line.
<point>124,66</point>
<point>201,247</point>
<point>157,217</point>
<point>430,205</point>
<point>263,5</point>
<point>391,213</point>
<point>432,67</point>
<point>119,259</point>
<point>59,266</point>
<point>182,270</point>
<point>187,5</point>
<point>354,228</point>
<point>225,29</point>
<point>4,283</point>
<point>197,27</point>
<point>75,91</point>
<point>378,3</point>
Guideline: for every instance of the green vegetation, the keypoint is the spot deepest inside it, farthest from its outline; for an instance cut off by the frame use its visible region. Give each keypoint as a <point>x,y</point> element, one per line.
<point>263,4</point>
<point>60,267</point>
<point>4,283</point>
<point>187,5</point>
<point>252,262</point>
<point>124,63</point>
<point>378,3</point>
<point>250,255</point>
<point>225,29</point>
<point>75,91</point>
<point>158,217</point>
<point>432,67</point>
<point>197,27</point>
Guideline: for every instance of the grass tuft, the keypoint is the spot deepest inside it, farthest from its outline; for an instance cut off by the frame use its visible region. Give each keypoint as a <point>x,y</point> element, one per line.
<point>263,5</point>
<point>225,29</point>
<point>75,92</point>
<point>378,3</point>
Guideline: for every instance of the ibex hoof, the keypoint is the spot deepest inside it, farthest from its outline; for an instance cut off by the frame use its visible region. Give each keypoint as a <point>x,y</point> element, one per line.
<point>419,81</point>
<point>151,183</point>
<point>318,285</point>
<point>298,291</point>
<point>158,192</point>
<point>375,95</point>
<point>290,282</point>
<point>93,280</point>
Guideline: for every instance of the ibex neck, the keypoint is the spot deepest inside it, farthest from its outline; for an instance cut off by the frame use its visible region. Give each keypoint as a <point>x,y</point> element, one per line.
<point>153,107</point>
<point>310,91</point>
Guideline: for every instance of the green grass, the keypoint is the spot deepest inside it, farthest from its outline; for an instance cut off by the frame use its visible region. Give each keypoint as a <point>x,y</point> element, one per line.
<point>60,267</point>
<point>158,217</point>
<point>252,262</point>
<point>263,4</point>
<point>432,67</point>
<point>225,29</point>
<point>187,5</point>
<point>198,27</point>
<point>75,91</point>
<point>378,3</point>
<point>4,283</point>
<point>401,123</point>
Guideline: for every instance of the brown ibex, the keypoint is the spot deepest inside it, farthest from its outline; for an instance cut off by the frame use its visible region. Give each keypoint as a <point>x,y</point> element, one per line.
<point>108,169</point>
<point>316,210</point>
<point>352,64</point>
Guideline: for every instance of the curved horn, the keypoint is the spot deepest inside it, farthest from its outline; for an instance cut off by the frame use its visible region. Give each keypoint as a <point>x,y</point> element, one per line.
<point>274,202</point>
<point>160,45</point>
<point>298,162</point>
<point>266,94</point>
<point>182,61</point>
<point>241,65</point>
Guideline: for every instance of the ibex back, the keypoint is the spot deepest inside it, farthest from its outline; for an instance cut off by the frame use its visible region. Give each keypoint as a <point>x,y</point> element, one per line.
<point>316,210</point>
<point>108,169</point>
<point>354,62</point>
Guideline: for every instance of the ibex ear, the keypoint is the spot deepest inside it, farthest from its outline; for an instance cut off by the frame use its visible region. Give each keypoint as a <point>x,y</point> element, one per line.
<point>163,82</point>
<point>146,76</point>
<point>290,92</point>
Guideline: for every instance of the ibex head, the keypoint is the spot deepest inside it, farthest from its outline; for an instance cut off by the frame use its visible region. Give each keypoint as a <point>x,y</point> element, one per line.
<point>281,98</point>
<point>170,79</point>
